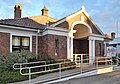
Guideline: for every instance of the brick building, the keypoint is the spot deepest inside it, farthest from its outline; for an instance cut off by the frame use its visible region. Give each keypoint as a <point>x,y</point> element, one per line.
<point>76,33</point>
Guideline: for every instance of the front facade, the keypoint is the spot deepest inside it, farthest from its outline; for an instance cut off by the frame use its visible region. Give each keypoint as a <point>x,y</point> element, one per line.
<point>46,36</point>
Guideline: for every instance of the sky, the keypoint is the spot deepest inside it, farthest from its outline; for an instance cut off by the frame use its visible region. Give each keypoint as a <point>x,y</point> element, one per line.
<point>105,13</point>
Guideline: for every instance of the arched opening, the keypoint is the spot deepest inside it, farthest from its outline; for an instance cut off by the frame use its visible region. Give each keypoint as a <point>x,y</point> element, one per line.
<point>80,41</point>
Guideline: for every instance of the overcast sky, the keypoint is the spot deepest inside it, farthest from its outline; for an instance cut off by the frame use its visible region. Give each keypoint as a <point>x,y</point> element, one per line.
<point>105,13</point>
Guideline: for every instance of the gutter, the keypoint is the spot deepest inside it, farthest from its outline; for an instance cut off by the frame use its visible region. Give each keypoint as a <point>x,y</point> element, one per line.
<point>21,28</point>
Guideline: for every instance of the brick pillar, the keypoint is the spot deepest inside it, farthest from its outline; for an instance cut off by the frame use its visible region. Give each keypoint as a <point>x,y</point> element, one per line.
<point>4,42</point>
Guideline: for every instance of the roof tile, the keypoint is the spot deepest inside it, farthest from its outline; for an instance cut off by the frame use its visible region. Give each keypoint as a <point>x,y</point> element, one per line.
<point>30,22</point>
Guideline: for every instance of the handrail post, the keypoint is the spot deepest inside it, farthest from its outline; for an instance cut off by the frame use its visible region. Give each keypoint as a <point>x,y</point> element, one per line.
<point>29,76</point>
<point>97,62</point>
<point>81,62</point>
<point>81,58</point>
<point>20,69</point>
<point>60,71</point>
<point>45,65</point>
<point>111,61</point>
<point>106,60</point>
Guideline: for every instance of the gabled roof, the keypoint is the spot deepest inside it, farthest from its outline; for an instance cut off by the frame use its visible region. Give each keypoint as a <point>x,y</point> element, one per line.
<point>63,19</point>
<point>21,22</point>
<point>40,21</point>
<point>74,14</point>
<point>29,22</point>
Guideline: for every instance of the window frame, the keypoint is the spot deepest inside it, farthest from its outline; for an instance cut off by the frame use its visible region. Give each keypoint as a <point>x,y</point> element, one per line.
<point>21,47</point>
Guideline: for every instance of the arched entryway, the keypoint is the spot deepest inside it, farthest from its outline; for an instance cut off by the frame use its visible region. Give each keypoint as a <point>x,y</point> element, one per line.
<point>80,40</point>
<point>81,43</point>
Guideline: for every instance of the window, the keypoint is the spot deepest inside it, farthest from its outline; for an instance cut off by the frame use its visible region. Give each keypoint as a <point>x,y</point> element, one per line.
<point>20,43</point>
<point>56,47</point>
<point>56,43</point>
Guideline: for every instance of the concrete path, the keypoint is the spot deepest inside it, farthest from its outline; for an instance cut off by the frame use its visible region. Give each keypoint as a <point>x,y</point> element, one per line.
<point>108,78</point>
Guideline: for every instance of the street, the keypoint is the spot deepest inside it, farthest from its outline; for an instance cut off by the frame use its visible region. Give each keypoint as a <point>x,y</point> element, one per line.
<point>108,78</point>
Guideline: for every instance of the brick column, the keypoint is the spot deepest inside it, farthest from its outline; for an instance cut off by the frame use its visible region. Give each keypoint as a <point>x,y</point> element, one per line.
<point>4,42</point>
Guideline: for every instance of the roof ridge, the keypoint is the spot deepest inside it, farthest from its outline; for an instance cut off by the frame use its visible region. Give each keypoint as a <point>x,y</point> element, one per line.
<point>13,19</point>
<point>5,19</point>
<point>67,16</point>
<point>42,16</point>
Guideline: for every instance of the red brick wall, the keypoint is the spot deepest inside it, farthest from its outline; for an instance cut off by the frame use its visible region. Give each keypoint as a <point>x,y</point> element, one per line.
<point>62,48</point>
<point>34,44</point>
<point>43,46</point>
<point>4,42</point>
<point>97,49</point>
<point>47,46</point>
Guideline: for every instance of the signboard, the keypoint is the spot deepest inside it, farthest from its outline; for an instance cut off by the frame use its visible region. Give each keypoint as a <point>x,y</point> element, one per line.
<point>111,51</point>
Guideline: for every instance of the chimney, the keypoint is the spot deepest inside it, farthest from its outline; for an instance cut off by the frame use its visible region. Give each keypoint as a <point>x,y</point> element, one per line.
<point>112,35</point>
<point>17,10</point>
<point>44,11</point>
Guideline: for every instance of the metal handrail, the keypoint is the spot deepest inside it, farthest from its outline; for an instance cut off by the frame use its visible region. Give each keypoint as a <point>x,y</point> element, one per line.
<point>59,68</point>
<point>43,66</point>
<point>105,60</point>
<point>18,64</point>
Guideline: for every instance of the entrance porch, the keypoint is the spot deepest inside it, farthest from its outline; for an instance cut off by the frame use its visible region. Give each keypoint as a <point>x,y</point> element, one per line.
<point>81,40</point>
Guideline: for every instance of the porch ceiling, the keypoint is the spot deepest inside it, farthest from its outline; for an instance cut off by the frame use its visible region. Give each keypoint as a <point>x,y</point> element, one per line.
<point>81,31</point>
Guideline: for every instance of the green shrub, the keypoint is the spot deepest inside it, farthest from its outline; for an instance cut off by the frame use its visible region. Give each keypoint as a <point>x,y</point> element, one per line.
<point>69,64</point>
<point>48,59</point>
<point>7,76</point>
<point>7,60</point>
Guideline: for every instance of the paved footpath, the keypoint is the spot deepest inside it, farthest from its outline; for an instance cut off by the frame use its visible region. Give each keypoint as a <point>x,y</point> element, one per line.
<point>108,78</point>
<point>66,72</point>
